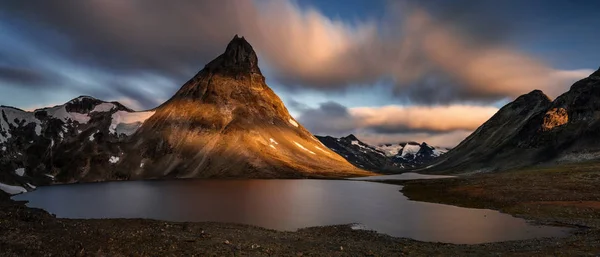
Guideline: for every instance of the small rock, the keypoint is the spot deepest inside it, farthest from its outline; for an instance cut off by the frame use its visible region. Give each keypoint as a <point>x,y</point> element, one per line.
<point>226,242</point>
<point>341,248</point>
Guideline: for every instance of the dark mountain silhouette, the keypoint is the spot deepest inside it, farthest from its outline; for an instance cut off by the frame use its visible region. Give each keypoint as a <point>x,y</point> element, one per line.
<point>533,130</point>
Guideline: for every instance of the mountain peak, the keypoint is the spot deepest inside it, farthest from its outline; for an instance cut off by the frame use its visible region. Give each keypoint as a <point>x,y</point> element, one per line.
<point>82,98</point>
<point>350,137</point>
<point>596,73</point>
<point>537,93</point>
<point>238,59</point>
<point>534,96</point>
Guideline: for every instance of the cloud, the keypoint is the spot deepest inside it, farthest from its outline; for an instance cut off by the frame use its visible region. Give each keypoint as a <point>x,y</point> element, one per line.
<point>486,71</point>
<point>446,139</point>
<point>561,80</point>
<point>394,119</point>
<point>430,59</point>
<point>329,118</point>
<point>22,76</point>
<point>396,123</point>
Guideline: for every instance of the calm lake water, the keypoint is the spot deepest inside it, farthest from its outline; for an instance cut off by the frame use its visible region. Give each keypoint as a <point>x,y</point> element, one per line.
<point>286,205</point>
<point>403,176</point>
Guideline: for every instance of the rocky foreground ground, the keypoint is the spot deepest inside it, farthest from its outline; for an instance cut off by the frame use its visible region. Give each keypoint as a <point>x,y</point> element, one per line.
<point>567,195</point>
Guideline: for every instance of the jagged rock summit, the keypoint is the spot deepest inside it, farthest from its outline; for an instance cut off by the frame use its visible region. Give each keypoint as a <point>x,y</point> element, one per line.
<point>238,59</point>
<point>224,122</point>
<point>533,130</point>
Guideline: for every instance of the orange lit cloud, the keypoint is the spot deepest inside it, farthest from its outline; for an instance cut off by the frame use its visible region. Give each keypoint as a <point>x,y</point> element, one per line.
<point>305,47</point>
<point>422,118</point>
<point>442,125</point>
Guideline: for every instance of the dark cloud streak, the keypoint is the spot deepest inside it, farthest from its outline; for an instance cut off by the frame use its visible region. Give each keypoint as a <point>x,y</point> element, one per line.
<point>329,118</point>
<point>22,76</point>
<point>156,37</point>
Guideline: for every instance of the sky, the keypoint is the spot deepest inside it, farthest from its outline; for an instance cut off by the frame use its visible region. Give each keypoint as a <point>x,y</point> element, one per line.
<point>384,70</point>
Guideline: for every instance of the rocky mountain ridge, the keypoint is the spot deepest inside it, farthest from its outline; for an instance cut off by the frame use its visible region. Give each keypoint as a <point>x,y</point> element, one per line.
<point>533,130</point>
<point>58,144</point>
<point>384,158</point>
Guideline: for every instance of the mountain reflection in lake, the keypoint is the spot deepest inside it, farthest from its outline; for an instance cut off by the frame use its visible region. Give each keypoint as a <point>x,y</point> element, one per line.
<point>286,205</point>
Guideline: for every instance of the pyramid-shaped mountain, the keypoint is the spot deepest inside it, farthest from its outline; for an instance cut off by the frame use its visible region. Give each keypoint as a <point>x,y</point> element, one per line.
<point>224,122</point>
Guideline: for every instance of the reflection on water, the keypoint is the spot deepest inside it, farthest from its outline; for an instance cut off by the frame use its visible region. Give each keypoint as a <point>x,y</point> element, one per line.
<point>285,205</point>
<point>403,176</point>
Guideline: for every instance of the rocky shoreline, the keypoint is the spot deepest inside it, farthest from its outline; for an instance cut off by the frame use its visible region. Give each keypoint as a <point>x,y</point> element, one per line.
<point>34,232</point>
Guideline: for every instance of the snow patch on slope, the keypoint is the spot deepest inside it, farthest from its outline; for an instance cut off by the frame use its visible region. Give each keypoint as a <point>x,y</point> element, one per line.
<point>128,122</point>
<point>365,148</point>
<point>16,118</point>
<point>114,159</point>
<point>92,136</point>
<point>439,151</point>
<point>390,150</point>
<point>12,190</point>
<point>103,107</point>
<point>60,112</point>
<point>20,171</point>
<point>272,143</point>
<point>410,149</point>
<point>304,148</point>
<point>293,122</point>
<point>321,149</point>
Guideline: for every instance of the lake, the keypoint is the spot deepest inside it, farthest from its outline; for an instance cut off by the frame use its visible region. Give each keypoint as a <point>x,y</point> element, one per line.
<point>286,205</point>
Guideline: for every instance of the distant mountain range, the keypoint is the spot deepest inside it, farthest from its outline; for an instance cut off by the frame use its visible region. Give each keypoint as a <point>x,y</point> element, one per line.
<point>533,130</point>
<point>224,122</point>
<point>385,158</point>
